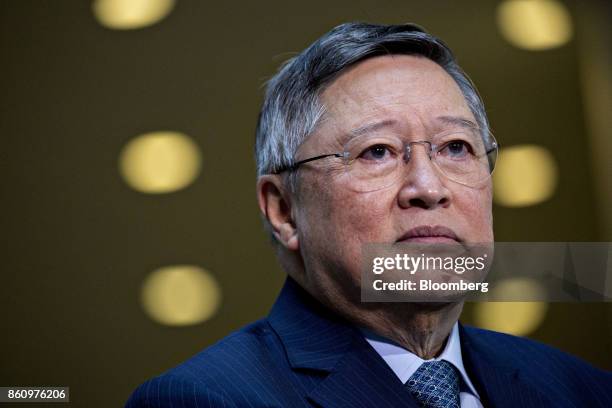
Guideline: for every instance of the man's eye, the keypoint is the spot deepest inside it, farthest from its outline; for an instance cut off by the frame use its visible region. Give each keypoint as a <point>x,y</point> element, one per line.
<point>456,149</point>
<point>376,152</point>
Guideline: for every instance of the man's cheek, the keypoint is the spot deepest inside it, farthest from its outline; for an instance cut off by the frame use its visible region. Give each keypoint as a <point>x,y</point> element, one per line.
<point>472,200</point>
<point>369,223</point>
<point>475,208</point>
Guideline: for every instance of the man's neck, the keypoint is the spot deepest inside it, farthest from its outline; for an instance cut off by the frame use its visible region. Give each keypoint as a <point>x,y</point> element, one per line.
<point>420,328</point>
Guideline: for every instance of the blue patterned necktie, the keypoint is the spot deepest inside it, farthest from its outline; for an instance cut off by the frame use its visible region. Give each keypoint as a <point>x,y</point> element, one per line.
<point>435,385</point>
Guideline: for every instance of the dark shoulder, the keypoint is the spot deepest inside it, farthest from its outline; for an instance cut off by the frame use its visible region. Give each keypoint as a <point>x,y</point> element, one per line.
<point>541,363</point>
<point>170,390</point>
<point>207,378</point>
<point>244,349</point>
<point>515,346</point>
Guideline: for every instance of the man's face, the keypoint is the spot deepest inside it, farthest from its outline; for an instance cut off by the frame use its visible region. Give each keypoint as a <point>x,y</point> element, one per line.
<point>412,94</point>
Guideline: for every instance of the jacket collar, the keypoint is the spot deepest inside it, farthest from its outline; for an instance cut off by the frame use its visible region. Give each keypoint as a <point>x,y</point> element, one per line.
<point>316,338</point>
<point>495,373</point>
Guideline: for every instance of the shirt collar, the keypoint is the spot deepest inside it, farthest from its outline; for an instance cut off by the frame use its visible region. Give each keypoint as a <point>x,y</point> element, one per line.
<point>404,363</point>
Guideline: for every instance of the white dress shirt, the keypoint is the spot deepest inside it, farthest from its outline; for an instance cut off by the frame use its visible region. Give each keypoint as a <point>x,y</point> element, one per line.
<point>404,363</point>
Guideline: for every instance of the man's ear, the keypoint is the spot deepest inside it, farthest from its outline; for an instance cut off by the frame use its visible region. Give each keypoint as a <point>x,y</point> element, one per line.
<point>275,204</point>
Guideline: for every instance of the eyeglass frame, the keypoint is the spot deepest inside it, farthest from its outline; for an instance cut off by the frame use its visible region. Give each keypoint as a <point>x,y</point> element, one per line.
<point>408,146</point>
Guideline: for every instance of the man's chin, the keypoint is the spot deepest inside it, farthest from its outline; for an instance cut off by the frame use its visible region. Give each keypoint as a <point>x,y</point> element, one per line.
<point>437,305</point>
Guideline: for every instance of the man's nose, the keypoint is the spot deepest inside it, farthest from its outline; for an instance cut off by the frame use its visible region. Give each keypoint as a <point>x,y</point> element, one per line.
<point>422,183</point>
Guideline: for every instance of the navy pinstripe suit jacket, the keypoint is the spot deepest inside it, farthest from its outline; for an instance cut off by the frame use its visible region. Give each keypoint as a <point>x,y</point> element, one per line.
<point>302,355</point>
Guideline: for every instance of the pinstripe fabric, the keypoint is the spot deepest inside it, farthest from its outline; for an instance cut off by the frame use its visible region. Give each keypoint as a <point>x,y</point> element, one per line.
<point>302,355</point>
<point>508,368</point>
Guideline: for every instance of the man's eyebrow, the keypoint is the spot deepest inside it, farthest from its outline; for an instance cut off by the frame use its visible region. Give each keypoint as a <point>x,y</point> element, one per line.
<point>448,120</point>
<point>372,127</point>
<point>458,121</point>
<point>365,129</point>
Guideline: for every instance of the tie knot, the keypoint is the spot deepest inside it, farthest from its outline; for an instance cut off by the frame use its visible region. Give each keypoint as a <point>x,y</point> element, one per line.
<point>435,384</point>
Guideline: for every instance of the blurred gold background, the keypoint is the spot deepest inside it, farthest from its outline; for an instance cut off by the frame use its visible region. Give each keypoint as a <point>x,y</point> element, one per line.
<point>130,232</point>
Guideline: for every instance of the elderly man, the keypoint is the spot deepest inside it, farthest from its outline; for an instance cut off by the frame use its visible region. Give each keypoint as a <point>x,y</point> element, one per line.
<point>373,134</point>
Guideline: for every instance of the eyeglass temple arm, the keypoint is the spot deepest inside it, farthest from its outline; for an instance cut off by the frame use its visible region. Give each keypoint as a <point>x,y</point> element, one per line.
<point>294,166</point>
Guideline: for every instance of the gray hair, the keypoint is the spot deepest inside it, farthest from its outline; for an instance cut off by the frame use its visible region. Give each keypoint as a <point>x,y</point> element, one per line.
<point>291,109</point>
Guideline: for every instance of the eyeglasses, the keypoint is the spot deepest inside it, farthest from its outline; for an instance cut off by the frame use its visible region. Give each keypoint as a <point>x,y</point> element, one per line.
<point>373,162</point>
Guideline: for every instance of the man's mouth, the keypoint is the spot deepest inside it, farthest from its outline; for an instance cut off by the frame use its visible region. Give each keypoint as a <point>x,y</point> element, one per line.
<point>430,234</point>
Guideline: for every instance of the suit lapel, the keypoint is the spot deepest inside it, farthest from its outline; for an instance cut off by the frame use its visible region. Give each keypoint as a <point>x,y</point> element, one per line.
<point>362,379</point>
<point>495,376</point>
<point>316,339</point>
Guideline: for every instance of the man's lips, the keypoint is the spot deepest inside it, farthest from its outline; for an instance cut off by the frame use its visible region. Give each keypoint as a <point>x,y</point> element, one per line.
<point>429,234</point>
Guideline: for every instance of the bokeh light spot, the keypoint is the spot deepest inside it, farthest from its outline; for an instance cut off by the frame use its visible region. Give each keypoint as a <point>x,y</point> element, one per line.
<point>534,24</point>
<point>517,317</point>
<point>180,295</point>
<point>160,162</point>
<point>524,175</point>
<point>130,14</point>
